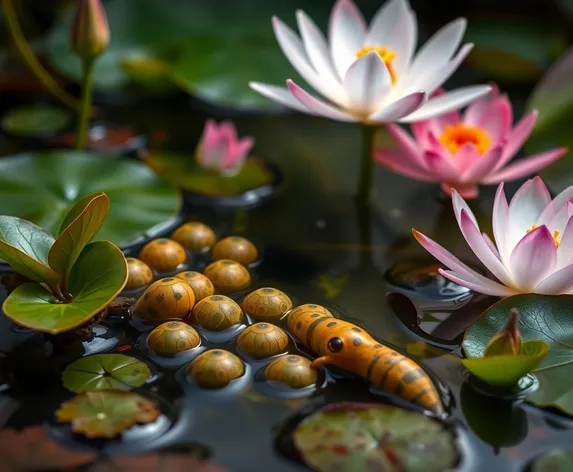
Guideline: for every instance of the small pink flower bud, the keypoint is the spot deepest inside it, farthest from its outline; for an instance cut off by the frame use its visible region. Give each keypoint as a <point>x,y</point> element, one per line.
<point>90,31</point>
<point>507,341</point>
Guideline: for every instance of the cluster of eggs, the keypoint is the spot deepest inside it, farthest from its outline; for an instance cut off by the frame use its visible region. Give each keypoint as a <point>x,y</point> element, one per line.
<point>187,300</point>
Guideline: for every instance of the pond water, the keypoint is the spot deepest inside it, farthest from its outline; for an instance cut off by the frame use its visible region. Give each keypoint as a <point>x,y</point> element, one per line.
<point>318,247</point>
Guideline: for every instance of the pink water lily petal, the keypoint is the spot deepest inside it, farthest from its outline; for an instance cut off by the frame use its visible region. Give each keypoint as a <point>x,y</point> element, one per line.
<point>347,30</point>
<point>407,144</point>
<point>517,137</point>
<point>466,157</point>
<point>366,82</point>
<point>459,205</point>
<point>465,191</point>
<point>395,111</point>
<point>557,283</point>
<point>474,112</point>
<point>565,249</point>
<point>497,119</point>
<point>449,260</point>
<point>441,166</point>
<point>436,146</point>
<point>401,163</point>
<point>481,249</point>
<point>499,223</point>
<point>525,167</point>
<point>317,106</point>
<point>494,289</point>
<point>421,131</point>
<point>491,245</point>
<point>483,166</point>
<point>280,95</point>
<point>553,208</point>
<point>533,258</point>
<point>525,208</point>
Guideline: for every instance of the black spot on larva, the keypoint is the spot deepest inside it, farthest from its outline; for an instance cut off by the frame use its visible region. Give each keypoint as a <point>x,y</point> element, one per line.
<point>356,341</point>
<point>263,326</point>
<point>299,325</point>
<point>292,359</point>
<point>174,324</point>
<point>312,307</point>
<point>377,346</point>
<point>412,375</point>
<point>216,298</point>
<point>236,239</point>
<point>131,261</point>
<point>169,279</point>
<point>146,296</point>
<point>227,263</point>
<point>393,353</point>
<point>190,275</point>
<point>268,290</point>
<point>332,324</point>
<point>162,241</point>
<point>315,315</point>
<point>159,298</point>
<point>216,352</point>
<point>177,295</point>
<point>356,330</point>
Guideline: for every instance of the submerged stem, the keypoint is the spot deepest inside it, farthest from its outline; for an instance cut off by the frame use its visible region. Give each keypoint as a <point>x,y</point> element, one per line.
<point>87,90</point>
<point>366,173</point>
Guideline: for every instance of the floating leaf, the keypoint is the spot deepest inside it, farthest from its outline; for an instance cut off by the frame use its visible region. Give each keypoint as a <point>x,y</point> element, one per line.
<point>79,227</point>
<point>96,279</point>
<point>557,460</point>
<point>182,171</point>
<point>34,449</point>
<point>36,120</point>
<point>25,247</point>
<point>505,371</point>
<point>542,317</point>
<point>371,437</point>
<point>105,371</point>
<point>106,413</point>
<point>30,188</point>
<point>156,463</point>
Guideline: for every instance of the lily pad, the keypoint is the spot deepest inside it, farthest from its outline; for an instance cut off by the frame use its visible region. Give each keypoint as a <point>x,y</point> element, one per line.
<point>105,371</point>
<point>557,460</point>
<point>34,449</point>
<point>192,46</point>
<point>42,187</point>
<point>181,170</point>
<point>106,413</point>
<point>371,437</point>
<point>505,371</point>
<point>31,305</point>
<point>542,317</point>
<point>36,121</point>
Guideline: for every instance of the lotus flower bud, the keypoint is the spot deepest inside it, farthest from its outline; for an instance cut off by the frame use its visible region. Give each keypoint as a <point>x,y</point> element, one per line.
<point>507,341</point>
<point>90,31</point>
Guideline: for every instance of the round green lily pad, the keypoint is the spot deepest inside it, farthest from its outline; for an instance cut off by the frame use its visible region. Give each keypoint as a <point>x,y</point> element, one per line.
<point>41,187</point>
<point>36,121</point>
<point>106,413</point>
<point>352,436</point>
<point>556,460</point>
<point>105,371</point>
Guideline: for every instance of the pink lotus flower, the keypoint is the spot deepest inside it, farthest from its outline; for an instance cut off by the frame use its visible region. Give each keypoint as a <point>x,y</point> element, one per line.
<point>533,249</point>
<point>462,151</point>
<point>220,149</point>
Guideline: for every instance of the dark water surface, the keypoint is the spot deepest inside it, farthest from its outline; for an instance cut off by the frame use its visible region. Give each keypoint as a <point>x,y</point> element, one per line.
<point>319,248</point>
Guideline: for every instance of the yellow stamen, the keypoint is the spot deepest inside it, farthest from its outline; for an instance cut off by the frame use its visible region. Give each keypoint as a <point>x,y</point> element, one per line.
<point>456,136</point>
<point>387,56</point>
<point>556,234</point>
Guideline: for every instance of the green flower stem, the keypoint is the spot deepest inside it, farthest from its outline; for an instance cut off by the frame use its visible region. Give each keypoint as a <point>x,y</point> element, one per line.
<point>366,175</point>
<point>31,60</point>
<point>87,91</point>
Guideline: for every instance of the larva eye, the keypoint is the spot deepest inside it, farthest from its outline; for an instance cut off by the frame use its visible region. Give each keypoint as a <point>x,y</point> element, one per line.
<point>335,345</point>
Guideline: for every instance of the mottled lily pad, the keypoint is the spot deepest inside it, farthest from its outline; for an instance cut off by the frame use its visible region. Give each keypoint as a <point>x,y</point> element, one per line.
<point>42,187</point>
<point>542,317</point>
<point>36,121</point>
<point>105,371</point>
<point>181,171</point>
<point>34,449</point>
<point>156,463</point>
<point>557,460</point>
<point>372,437</point>
<point>106,413</point>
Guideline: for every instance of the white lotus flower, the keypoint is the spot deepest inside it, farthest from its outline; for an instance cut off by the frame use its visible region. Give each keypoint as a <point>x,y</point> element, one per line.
<point>533,249</point>
<point>370,74</point>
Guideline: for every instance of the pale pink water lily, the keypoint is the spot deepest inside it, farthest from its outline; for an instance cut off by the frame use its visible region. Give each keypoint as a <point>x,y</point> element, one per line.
<point>369,73</point>
<point>464,150</point>
<point>532,247</point>
<point>220,149</point>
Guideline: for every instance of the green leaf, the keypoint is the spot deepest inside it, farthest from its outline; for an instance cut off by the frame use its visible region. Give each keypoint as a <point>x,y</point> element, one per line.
<point>545,318</point>
<point>25,247</point>
<point>182,171</point>
<point>78,228</point>
<point>96,279</point>
<point>352,436</point>
<point>36,120</point>
<point>106,413</point>
<point>104,371</point>
<point>557,460</point>
<point>140,201</point>
<point>505,371</point>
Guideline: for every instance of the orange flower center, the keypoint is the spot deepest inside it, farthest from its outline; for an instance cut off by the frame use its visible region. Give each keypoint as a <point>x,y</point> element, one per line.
<point>555,234</point>
<point>387,56</point>
<point>456,136</point>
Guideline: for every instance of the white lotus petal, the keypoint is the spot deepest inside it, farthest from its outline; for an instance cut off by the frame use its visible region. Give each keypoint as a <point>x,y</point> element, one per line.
<point>318,107</point>
<point>565,249</point>
<point>383,22</point>
<point>366,82</point>
<point>280,95</point>
<point>487,288</point>
<point>400,108</point>
<point>557,283</point>
<point>500,223</point>
<point>346,33</point>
